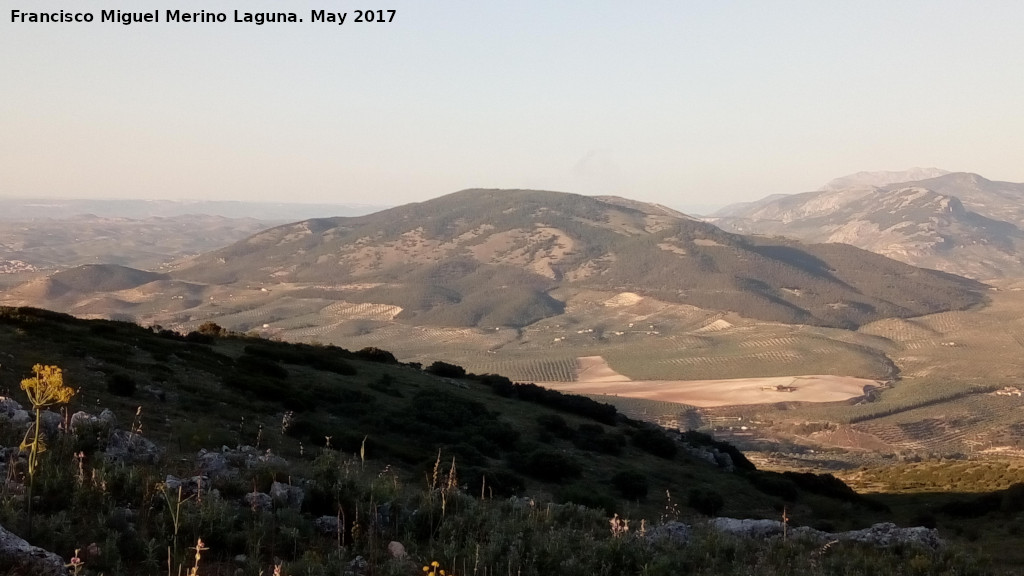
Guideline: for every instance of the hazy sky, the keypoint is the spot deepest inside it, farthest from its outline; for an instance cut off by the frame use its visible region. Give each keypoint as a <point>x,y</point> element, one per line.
<point>691,104</point>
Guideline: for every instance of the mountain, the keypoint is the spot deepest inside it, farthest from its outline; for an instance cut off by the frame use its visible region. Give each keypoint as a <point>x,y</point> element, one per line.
<point>498,257</point>
<point>882,178</point>
<point>956,222</point>
<point>994,199</point>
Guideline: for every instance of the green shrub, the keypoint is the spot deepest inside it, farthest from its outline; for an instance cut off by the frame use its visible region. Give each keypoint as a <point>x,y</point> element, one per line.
<point>372,354</point>
<point>589,495</point>
<point>655,441</point>
<point>446,370</point>
<point>774,484</point>
<point>706,501</point>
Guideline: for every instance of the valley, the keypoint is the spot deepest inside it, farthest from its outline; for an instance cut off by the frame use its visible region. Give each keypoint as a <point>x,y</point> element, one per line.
<point>532,286</point>
<point>812,359</point>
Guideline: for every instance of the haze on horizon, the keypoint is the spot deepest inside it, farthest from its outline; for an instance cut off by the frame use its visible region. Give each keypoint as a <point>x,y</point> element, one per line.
<point>686,104</point>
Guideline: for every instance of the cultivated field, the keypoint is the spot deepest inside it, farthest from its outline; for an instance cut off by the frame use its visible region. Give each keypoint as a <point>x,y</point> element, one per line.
<point>595,376</point>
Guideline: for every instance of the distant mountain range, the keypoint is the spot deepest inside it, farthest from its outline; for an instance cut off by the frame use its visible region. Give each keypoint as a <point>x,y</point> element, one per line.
<point>953,221</point>
<point>60,208</point>
<point>508,258</point>
<point>46,244</point>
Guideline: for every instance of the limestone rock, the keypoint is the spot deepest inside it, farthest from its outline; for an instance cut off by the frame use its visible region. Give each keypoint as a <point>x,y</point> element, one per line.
<point>189,486</point>
<point>326,524</point>
<point>12,412</point>
<point>49,423</point>
<point>889,534</point>
<point>214,464</point>
<point>259,501</point>
<point>127,447</point>
<point>397,550</point>
<point>108,416</point>
<point>287,495</point>
<point>19,557</point>
<point>885,534</point>
<point>675,532</point>
<point>83,423</point>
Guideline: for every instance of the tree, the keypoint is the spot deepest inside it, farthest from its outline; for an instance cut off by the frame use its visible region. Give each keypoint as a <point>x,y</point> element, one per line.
<point>210,328</point>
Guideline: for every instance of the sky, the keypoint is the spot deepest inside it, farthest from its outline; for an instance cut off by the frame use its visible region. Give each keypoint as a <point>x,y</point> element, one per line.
<point>690,104</point>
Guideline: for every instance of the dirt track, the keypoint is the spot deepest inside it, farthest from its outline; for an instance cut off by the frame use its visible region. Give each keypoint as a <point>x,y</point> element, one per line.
<point>595,376</point>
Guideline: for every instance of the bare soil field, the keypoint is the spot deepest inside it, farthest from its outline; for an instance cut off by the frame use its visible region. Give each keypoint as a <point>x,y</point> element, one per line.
<point>595,376</point>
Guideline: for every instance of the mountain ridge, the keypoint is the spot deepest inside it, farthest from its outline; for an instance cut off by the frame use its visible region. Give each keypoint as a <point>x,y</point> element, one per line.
<point>459,249</point>
<point>960,223</point>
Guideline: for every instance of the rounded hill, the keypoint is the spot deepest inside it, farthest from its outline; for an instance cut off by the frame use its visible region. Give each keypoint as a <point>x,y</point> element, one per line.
<point>492,257</point>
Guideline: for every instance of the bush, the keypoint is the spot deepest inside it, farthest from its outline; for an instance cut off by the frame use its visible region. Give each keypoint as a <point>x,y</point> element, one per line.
<point>373,354</point>
<point>774,484</point>
<point>592,438</point>
<point>212,329</point>
<point>328,359</point>
<point>655,441</point>
<point>250,364</point>
<point>1013,499</point>
<point>556,425</point>
<point>548,466</point>
<point>121,385</point>
<point>588,495</point>
<point>973,508</point>
<point>197,338</point>
<point>446,370</point>
<point>707,502</point>
<point>571,403</point>
<point>631,484</point>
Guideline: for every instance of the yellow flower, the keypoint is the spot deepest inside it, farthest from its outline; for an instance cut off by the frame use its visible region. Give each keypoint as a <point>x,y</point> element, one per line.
<point>46,387</point>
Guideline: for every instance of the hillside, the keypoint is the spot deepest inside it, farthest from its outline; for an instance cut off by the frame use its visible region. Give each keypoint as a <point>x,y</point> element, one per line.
<point>956,222</point>
<point>492,258</point>
<point>398,453</point>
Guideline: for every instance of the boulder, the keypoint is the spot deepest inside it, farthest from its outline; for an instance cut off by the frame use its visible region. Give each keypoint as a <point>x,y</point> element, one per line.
<point>19,557</point>
<point>259,501</point>
<point>357,566</point>
<point>83,423</point>
<point>128,447</point>
<point>189,486</point>
<point>214,464</point>
<point>747,527</point>
<point>675,532</point>
<point>326,524</point>
<point>108,416</point>
<point>397,550</point>
<point>250,457</point>
<point>286,495</point>
<point>885,534</point>
<point>12,412</point>
<point>889,534</point>
<point>265,460</point>
<point>50,423</point>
